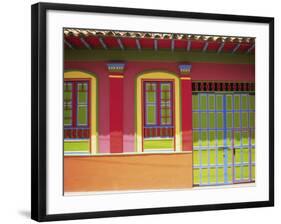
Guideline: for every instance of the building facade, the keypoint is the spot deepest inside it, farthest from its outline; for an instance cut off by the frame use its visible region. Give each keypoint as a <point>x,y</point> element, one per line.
<point>157,111</point>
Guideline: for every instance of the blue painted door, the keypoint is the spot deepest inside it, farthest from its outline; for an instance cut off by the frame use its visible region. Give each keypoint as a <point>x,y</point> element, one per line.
<point>223,138</point>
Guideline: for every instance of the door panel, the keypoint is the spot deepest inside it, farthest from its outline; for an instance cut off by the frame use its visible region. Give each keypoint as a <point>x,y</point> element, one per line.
<point>223,138</point>
<point>243,159</point>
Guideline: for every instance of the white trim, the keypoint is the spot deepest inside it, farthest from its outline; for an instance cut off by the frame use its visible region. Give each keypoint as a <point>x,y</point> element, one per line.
<point>147,151</point>
<point>157,190</point>
<point>57,203</point>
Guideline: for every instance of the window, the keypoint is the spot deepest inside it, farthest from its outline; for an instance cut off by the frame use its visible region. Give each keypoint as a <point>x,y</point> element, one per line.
<point>77,126</point>
<point>158,115</point>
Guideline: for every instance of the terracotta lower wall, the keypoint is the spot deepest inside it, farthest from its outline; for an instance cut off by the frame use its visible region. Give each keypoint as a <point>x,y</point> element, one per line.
<point>127,172</point>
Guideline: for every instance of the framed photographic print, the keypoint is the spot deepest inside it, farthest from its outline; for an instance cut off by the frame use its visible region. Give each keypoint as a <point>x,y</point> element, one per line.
<point>138,111</point>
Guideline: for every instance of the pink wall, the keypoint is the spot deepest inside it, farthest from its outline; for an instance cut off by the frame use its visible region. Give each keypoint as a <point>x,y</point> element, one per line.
<point>199,71</point>
<point>129,111</point>
<point>212,71</point>
<point>100,70</point>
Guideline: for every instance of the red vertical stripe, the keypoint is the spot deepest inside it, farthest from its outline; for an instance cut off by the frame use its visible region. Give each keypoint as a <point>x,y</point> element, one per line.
<point>186,93</point>
<point>116,115</point>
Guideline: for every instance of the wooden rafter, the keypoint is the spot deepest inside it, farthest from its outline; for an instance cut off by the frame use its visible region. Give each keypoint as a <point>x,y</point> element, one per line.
<point>138,44</point>
<point>68,44</point>
<point>188,46</point>
<point>85,43</point>
<point>220,47</point>
<point>236,48</point>
<point>103,43</point>
<point>121,45</point>
<point>155,44</point>
<point>251,48</point>
<point>152,35</point>
<point>143,40</point>
<point>173,45</point>
<point>205,46</point>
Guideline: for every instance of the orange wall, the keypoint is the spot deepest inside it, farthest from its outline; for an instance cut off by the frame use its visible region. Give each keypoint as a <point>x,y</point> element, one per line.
<point>127,172</point>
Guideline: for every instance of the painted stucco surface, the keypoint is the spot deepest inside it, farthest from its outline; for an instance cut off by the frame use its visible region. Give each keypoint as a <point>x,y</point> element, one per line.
<point>199,71</point>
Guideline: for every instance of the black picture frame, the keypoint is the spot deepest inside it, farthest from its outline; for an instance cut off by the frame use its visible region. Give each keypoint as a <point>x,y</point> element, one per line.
<point>38,108</point>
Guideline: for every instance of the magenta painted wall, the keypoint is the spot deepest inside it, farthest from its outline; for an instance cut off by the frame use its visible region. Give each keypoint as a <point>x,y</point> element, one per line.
<point>129,112</point>
<point>212,71</point>
<point>100,70</point>
<point>199,71</point>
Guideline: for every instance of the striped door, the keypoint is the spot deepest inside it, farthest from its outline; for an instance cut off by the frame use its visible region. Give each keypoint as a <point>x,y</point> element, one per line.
<point>223,138</point>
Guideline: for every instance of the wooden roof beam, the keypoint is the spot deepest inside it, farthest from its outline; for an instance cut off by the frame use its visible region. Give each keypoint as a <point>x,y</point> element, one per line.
<point>138,44</point>
<point>236,48</point>
<point>220,47</point>
<point>85,43</point>
<point>68,44</point>
<point>121,45</point>
<point>188,46</point>
<point>102,43</point>
<point>205,46</point>
<point>250,49</point>
<point>173,45</point>
<point>155,44</point>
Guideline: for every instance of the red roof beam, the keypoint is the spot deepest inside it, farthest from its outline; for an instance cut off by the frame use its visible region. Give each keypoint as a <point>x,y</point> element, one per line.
<point>129,43</point>
<point>164,43</point>
<point>74,41</point>
<point>147,43</point>
<point>197,45</point>
<point>243,48</point>
<point>93,41</point>
<point>179,44</point>
<point>213,46</point>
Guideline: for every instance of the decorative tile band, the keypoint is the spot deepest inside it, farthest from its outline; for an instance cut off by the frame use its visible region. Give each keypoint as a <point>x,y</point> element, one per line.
<point>116,67</point>
<point>205,86</point>
<point>184,69</point>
